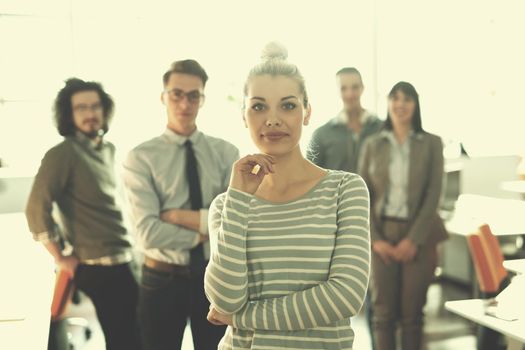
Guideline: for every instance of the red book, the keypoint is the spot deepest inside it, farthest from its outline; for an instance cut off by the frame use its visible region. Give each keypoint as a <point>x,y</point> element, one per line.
<point>61,295</point>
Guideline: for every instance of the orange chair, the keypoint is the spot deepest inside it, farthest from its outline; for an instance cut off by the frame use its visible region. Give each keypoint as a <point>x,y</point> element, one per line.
<point>487,259</point>
<point>492,277</point>
<point>495,257</point>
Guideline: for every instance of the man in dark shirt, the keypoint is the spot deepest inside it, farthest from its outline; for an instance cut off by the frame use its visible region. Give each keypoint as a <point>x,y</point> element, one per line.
<point>78,176</point>
<point>337,144</point>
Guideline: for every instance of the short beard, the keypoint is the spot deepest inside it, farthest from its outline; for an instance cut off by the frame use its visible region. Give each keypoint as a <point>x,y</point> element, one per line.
<point>93,134</point>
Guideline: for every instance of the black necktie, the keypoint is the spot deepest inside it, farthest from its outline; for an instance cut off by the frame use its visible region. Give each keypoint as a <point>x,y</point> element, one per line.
<point>192,174</point>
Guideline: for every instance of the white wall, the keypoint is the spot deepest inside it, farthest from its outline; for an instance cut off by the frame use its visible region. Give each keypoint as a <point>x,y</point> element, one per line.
<point>463,57</point>
<point>13,193</point>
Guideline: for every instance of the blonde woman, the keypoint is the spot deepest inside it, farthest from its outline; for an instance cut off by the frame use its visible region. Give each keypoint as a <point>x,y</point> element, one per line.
<point>290,241</point>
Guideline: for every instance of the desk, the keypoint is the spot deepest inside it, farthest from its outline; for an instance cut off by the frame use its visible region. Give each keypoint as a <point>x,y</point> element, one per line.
<point>504,216</point>
<point>516,266</point>
<point>474,310</point>
<point>27,275</point>
<point>517,186</point>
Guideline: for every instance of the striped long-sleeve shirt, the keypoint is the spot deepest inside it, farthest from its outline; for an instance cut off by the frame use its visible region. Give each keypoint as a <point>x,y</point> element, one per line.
<point>292,274</point>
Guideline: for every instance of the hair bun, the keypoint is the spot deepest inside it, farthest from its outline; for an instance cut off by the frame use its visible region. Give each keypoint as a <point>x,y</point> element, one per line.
<point>274,51</point>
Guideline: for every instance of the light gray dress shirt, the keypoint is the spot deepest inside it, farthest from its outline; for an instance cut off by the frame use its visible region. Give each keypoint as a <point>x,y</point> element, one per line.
<point>397,197</point>
<point>155,179</point>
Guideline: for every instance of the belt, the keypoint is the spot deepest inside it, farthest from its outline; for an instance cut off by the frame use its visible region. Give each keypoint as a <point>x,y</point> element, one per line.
<point>394,219</point>
<point>166,267</point>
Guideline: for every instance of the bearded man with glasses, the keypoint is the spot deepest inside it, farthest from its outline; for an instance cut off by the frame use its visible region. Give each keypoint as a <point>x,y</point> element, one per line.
<point>171,181</point>
<point>78,175</point>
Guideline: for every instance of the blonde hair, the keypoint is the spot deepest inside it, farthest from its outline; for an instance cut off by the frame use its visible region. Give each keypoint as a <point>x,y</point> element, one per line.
<point>274,63</point>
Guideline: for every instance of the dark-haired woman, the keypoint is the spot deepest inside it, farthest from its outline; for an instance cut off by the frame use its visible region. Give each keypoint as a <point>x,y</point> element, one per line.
<point>403,168</point>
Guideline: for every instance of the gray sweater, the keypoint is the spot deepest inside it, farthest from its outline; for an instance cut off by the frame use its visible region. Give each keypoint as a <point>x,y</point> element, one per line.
<point>80,179</point>
<point>292,273</point>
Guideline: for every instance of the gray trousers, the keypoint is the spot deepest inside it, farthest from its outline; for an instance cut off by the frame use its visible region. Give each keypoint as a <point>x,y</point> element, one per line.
<point>399,293</point>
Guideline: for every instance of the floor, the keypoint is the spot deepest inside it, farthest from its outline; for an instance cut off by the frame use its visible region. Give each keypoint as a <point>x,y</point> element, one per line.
<point>443,331</point>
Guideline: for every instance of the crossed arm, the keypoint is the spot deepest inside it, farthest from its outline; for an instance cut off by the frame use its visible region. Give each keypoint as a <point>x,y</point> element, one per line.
<point>341,296</point>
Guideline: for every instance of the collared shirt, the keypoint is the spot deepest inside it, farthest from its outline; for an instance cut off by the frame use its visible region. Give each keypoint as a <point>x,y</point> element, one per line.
<point>342,117</point>
<point>335,146</point>
<point>396,204</point>
<point>155,179</point>
<point>79,176</point>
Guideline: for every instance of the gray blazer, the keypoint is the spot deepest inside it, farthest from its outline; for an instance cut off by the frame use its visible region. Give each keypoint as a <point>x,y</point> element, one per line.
<point>424,185</point>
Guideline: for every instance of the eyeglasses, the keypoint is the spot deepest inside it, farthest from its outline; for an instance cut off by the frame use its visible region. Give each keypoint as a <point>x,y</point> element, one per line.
<point>194,97</point>
<point>83,108</point>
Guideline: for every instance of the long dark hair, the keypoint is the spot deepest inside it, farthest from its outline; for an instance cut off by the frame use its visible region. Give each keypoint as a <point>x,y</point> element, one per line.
<point>410,91</point>
<point>63,111</point>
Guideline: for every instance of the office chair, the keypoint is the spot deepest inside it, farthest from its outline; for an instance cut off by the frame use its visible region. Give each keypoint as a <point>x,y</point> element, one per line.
<point>487,259</point>
<point>491,275</point>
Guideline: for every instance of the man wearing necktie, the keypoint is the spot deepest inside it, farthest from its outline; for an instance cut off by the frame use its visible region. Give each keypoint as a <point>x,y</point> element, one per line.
<point>171,181</point>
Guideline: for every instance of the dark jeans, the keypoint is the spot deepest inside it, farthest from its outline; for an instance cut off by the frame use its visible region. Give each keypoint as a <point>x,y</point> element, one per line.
<point>114,293</point>
<point>166,301</point>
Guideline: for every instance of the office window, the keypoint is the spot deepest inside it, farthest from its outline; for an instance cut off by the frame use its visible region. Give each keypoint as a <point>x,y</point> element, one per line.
<point>36,53</point>
<point>465,60</point>
<point>129,48</point>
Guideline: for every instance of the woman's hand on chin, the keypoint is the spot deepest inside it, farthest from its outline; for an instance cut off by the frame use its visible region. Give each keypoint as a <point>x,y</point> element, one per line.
<point>249,171</point>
